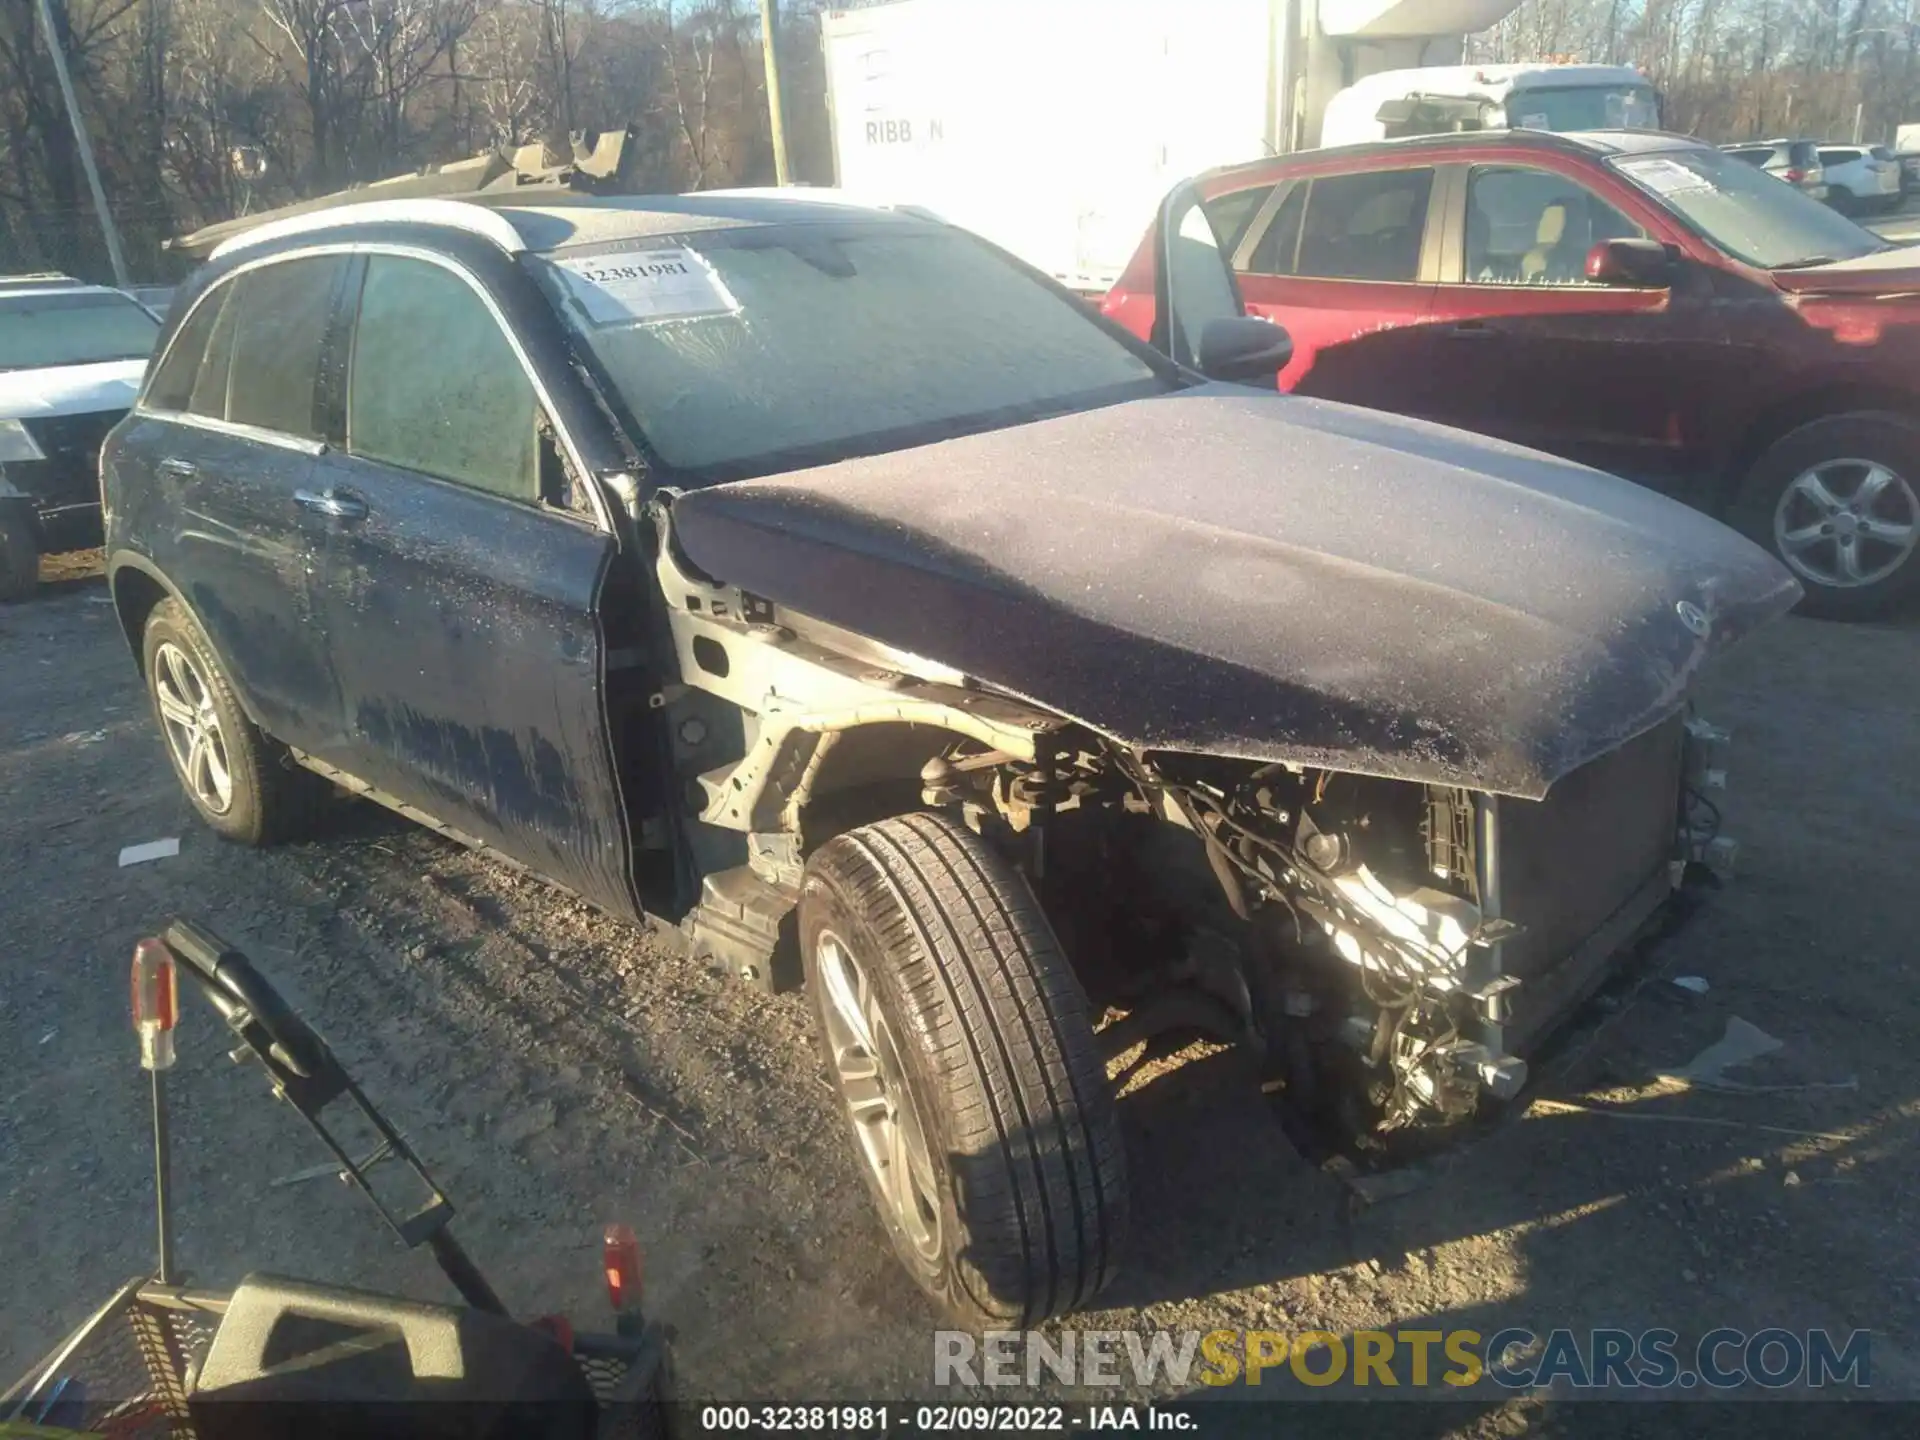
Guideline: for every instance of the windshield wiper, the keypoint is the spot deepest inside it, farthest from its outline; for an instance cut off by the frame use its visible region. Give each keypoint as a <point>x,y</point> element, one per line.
<point>1811,261</point>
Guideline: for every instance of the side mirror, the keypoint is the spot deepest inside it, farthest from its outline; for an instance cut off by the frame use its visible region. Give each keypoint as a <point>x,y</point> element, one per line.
<point>1243,347</point>
<point>1638,264</point>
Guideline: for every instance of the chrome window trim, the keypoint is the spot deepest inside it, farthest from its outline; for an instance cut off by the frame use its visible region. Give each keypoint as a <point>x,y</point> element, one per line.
<point>239,431</point>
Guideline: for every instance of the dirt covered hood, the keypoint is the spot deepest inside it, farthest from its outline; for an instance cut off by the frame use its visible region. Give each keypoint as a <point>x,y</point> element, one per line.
<point>1233,573</point>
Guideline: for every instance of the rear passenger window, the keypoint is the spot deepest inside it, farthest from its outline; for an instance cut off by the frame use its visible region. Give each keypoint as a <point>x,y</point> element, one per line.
<point>1278,250</point>
<point>209,397</point>
<point>1368,226</point>
<point>435,385</point>
<point>282,322</point>
<point>1229,214</point>
<point>173,382</point>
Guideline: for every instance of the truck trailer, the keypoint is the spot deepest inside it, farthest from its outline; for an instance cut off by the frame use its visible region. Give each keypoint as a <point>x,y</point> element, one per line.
<point>1052,127</point>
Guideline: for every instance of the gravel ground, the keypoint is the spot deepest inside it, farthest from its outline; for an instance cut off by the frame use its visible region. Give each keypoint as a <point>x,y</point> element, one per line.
<point>557,1073</point>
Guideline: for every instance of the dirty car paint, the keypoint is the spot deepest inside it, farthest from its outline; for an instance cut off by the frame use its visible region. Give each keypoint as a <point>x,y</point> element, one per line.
<point>467,636</point>
<point>1233,573</point>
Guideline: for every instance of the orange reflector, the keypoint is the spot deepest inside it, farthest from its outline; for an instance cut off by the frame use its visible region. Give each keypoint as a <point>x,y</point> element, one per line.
<point>620,1254</point>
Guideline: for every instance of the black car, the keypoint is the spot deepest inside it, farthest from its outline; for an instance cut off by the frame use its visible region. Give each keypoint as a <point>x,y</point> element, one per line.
<point>71,358</point>
<point>846,599</point>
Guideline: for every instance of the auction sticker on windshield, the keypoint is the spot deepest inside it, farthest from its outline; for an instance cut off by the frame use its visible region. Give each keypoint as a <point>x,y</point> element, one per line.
<point>1664,177</point>
<point>647,285</point>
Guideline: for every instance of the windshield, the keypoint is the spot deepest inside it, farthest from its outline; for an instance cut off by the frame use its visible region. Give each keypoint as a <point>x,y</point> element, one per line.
<point>1747,212</point>
<point>746,350</point>
<point>1584,107</point>
<point>41,330</point>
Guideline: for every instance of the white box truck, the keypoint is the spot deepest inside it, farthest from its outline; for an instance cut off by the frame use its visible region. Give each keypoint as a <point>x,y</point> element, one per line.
<point>1053,127</point>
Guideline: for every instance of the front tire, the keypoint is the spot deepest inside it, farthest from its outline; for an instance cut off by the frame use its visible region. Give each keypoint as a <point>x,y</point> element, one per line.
<point>958,1037</point>
<point>240,780</point>
<point>1838,502</point>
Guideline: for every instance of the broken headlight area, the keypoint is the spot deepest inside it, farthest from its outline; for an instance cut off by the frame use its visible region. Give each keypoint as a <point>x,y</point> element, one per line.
<point>1389,951</point>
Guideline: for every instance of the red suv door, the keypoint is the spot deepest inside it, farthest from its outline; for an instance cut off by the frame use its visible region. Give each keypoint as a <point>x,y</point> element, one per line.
<point>1342,260</point>
<point>1527,348</point>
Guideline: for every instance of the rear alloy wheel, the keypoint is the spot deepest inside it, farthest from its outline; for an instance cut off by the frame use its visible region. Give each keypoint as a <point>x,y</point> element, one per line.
<point>241,781</point>
<point>183,697</point>
<point>958,1039</point>
<point>1838,501</point>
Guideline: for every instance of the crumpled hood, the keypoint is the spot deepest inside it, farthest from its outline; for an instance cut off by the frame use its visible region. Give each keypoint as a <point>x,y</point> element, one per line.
<point>1235,573</point>
<point>70,389</point>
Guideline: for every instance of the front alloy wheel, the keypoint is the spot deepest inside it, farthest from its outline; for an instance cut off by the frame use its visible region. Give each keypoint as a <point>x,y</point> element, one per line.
<point>887,1127</point>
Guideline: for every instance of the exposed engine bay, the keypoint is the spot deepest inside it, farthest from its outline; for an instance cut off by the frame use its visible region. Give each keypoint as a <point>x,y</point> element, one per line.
<point>1349,930</point>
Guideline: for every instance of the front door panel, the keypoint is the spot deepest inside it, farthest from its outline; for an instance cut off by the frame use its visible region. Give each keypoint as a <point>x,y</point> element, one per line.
<point>1528,349</point>
<point>1609,377</point>
<point>467,638</point>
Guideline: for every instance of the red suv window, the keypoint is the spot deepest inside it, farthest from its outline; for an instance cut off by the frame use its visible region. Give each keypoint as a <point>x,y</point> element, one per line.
<point>1533,227</point>
<point>1364,226</point>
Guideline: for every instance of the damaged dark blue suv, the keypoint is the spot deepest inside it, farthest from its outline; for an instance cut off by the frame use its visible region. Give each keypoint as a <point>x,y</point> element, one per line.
<point>841,597</point>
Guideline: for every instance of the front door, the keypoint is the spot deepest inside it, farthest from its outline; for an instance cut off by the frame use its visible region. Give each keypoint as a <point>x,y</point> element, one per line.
<point>229,433</point>
<point>463,599</point>
<point>1525,347</point>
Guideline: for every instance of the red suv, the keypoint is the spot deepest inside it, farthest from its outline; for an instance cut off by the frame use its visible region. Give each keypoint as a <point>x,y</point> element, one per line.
<point>1639,302</point>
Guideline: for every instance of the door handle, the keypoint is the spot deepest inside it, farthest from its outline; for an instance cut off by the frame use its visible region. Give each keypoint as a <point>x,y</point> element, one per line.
<point>178,468</point>
<point>334,504</point>
<point>1469,330</point>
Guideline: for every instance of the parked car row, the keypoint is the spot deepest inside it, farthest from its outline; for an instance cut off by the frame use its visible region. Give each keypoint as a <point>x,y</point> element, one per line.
<point>1639,302</point>
<point>1855,178</point>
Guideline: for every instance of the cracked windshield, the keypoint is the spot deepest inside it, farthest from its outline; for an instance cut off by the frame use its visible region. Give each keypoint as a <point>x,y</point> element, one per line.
<point>729,717</point>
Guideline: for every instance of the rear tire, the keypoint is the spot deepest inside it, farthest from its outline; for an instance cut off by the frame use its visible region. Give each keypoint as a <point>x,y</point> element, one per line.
<point>948,1012</point>
<point>242,782</point>
<point>1803,500</point>
<point>19,557</point>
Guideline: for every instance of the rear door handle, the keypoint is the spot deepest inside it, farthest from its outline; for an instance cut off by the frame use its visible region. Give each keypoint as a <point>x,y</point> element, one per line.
<point>334,504</point>
<point>1469,330</point>
<point>180,469</point>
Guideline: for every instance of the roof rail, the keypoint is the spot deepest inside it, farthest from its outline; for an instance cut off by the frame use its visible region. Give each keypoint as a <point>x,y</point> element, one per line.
<point>447,214</point>
<point>817,195</point>
<point>38,279</point>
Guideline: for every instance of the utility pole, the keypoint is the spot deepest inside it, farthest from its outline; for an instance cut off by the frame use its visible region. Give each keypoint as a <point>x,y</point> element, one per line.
<point>54,47</point>
<point>775,114</point>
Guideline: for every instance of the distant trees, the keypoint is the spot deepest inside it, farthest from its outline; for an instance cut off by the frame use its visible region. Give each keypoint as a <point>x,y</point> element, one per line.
<point>204,109</point>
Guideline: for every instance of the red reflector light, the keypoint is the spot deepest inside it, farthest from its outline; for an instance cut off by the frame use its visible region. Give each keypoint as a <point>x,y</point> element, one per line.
<point>156,1003</point>
<point>156,997</point>
<point>1796,176</point>
<point>620,1257</point>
